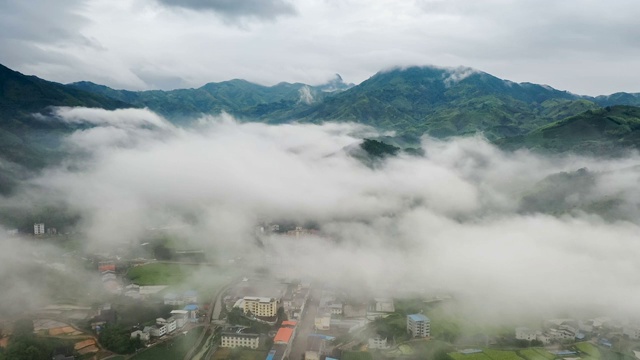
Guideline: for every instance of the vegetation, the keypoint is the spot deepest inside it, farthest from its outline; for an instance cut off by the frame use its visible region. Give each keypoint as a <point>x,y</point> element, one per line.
<point>239,354</point>
<point>24,345</point>
<point>118,339</point>
<point>356,355</point>
<point>608,131</point>
<point>160,273</point>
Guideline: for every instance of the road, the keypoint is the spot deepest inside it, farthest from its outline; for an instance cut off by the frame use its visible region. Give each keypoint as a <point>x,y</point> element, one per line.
<point>215,308</point>
<point>305,326</point>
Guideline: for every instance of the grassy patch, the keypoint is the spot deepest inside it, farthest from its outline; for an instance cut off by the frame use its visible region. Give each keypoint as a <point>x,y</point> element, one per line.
<point>476,356</point>
<point>175,348</point>
<point>161,274</point>
<point>536,354</point>
<point>239,354</point>
<point>502,355</point>
<point>589,349</point>
<point>356,355</point>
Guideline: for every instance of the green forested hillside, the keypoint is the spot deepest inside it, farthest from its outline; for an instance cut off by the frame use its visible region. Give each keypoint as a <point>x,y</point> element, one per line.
<point>27,142</point>
<point>610,130</point>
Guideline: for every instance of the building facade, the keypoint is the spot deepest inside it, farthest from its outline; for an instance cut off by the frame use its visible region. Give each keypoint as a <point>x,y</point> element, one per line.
<point>418,325</point>
<point>233,340</point>
<point>260,306</point>
<point>38,229</point>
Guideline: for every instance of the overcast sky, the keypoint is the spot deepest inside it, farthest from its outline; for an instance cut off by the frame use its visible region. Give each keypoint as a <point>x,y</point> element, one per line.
<point>584,46</point>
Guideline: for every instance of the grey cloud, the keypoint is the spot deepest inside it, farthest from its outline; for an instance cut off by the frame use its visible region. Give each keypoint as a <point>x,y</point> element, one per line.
<point>262,9</point>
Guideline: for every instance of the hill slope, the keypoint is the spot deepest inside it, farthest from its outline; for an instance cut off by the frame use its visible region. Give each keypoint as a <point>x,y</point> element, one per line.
<point>447,102</point>
<point>27,143</point>
<point>610,130</point>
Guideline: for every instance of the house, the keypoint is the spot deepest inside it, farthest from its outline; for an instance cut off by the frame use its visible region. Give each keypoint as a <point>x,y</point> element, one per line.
<point>233,340</point>
<point>144,336</point>
<point>170,323</point>
<point>335,308</point>
<point>181,316</point>
<point>418,325</point>
<point>158,330</point>
<point>260,306</point>
<point>523,333</point>
<point>192,312</point>
<point>378,342</point>
<point>38,229</point>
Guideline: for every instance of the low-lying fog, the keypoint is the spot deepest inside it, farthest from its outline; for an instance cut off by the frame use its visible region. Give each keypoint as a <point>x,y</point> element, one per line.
<point>497,230</point>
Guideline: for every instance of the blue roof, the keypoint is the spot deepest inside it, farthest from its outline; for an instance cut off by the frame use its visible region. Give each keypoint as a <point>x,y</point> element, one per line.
<point>272,353</point>
<point>191,307</point>
<point>418,317</point>
<point>330,358</point>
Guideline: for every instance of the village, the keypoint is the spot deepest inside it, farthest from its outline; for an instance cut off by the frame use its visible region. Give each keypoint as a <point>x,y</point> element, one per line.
<point>149,308</point>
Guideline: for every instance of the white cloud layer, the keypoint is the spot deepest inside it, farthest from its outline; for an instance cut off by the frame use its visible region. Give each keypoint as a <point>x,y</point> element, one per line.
<point>452,221</point>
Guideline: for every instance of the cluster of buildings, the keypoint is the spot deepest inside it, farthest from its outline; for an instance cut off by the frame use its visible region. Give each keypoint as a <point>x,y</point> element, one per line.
<point>109,279</point>
<point>39,229</point>
<point>557,330</point>
<point>177,320</point>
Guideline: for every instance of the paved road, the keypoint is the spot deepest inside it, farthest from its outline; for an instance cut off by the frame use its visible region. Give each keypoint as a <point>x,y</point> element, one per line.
<point>215,308</point>
<point>305,326</point>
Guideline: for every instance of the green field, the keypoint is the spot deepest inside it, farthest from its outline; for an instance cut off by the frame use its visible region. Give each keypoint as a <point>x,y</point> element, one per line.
<point>589,349</point>
<point>173,349</point>
<point>239,354</point>
<point>502,355</point>
<point>161,274</point>
<point>536,354</point>
<point>356,355</point>
<point>476,356</point>
<point>490,354</point>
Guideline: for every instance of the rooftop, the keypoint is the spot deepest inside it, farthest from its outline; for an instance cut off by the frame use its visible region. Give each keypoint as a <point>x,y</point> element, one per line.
<point>418,317</point>
<point>283,335</point>
<point>259,299</point>
<point>233,334</point>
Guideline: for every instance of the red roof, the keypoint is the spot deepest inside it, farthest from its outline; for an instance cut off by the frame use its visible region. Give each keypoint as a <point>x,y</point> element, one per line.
<point>289,323</point>
<point>283,336</point>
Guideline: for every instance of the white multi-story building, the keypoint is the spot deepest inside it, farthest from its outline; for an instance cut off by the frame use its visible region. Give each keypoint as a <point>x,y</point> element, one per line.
<point>260,306</point>
<point>158,330</point>
<point>38,229</point>
<point>418,325</point>
<point>181,317</point>
<point>170,323</point>
<point>378,343</point>
<point>233,340</point>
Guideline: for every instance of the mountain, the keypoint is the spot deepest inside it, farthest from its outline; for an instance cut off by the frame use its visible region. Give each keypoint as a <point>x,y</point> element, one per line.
<point>446,102</point>
<point>411,101</point>
<point>238,97</point>
<point>26,142</point>
<point>610,130</point>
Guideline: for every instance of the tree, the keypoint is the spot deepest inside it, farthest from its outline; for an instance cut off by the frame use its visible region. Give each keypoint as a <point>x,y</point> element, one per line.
<point>23,327</point>
<point>118,339</point>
